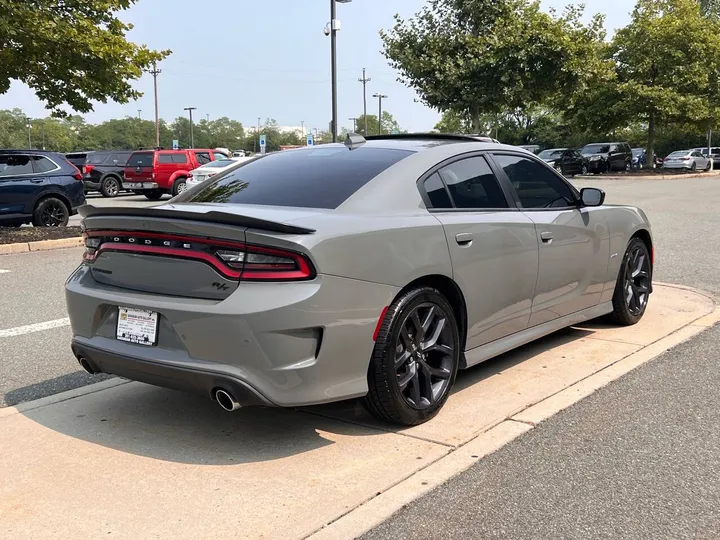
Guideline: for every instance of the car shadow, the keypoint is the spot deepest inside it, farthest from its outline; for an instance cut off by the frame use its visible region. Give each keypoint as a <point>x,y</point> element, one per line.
<point>172,426</point>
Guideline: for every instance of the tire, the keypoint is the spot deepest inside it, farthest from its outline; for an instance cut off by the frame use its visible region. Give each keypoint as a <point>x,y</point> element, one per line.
<point>693,167</point>
<point>402,394</point>
<point>708,166</point>
<point>628,166</point>
<point>51,212</point>
<point>153,194</point>
<point>584,170</point>
<point>110,186</point>
<point>630,301</point>
<point>179,186</point>
<point>558,168</point>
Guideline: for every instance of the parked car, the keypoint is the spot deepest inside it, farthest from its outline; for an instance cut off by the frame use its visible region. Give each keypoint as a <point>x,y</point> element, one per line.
<point>373,269</point>
<point>102,171</point>
<point>534,148</point>
<point>157,172</point>
<point>199,175</point>
<point>640,159</point>
<point>38,187</point>
<point>715,153</point>
<point>607,157</point>
<point>239,153</point>
<point>687,159</point>
<point>567,161</point>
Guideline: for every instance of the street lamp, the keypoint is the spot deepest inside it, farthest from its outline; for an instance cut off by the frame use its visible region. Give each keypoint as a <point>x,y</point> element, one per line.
<point>332,31</point>
<point>380,98</point>
<point>27,125</point>
<point>192,138</point>
<point>354,121</point>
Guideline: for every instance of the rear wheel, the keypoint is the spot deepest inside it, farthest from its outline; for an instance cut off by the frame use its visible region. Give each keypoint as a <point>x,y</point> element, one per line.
<point>153,194</point>
<point>693,166</point>
<point>584,170</point>
<point>632,290</point>
<point>51,212</point>
<point>179,186</point>
<point>110,186</point>
<point>415,359</point>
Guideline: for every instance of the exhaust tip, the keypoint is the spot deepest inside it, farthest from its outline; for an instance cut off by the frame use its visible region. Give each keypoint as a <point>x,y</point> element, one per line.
<point>86,365</point>
<point>226,400</point>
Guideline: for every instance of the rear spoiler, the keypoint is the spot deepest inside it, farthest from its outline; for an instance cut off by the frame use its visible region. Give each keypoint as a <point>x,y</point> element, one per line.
<point>224,218</point>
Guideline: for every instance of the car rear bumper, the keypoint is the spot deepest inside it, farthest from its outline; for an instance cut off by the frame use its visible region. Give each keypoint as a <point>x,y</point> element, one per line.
<point>290,344</point>
<point>677,165</point>
<point>135,186</point>
<point>90,185</point>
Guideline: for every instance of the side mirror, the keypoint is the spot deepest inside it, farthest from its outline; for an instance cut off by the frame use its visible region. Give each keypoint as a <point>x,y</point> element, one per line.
<point>592,196</point>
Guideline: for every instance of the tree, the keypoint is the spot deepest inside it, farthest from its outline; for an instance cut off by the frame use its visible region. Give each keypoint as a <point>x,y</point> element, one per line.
<point>710,8</point>
<point>71,52</point>
<point>454,122</point>
<point>389,124</point>
<point>666,71</point>
<point>478,57</point>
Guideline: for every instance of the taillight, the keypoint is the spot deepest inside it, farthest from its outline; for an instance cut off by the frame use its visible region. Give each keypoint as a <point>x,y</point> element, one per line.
<point>234,260</point>
<point>211,174</point>
<point>87,169</point>
<point>77,175</point>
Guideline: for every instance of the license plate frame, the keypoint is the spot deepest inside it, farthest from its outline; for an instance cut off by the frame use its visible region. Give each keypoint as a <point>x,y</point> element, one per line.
<point>137,326</point>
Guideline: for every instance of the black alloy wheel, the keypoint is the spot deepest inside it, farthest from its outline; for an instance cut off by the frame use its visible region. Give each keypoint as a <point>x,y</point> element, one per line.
<point>110,187</point>
<point>632,290</point>
<point>584,170</point>
<point>415,360</point>
<point>51,212</point>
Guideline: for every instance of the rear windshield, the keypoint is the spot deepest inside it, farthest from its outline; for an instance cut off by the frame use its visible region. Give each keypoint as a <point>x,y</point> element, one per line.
<point>219,164</point>
<point>76,159</point>
<point>97,159</point>
<point>596,149</point>
<point>317,178</point>
<point>680,153</point>
<point>141,159</point>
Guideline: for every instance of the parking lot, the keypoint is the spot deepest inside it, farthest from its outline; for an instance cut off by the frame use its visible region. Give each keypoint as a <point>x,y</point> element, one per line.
<point>271,465</point>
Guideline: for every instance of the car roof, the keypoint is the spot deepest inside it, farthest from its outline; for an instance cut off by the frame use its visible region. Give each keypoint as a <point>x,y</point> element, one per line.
<point>30,151</point>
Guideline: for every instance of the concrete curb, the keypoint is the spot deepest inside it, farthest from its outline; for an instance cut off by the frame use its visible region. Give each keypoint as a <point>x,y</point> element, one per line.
<point>378,509</point>
<point>40,245</point>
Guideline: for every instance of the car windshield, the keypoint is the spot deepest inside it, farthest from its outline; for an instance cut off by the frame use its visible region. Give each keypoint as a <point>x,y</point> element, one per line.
<point>140,159</point>
<point>596,149</point>
<point>638,151</point>
<point>547,154</point>
<point>316,178</point>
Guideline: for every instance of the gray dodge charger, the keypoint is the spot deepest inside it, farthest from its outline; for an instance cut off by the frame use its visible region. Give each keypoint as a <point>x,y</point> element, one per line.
<point>373,269</point>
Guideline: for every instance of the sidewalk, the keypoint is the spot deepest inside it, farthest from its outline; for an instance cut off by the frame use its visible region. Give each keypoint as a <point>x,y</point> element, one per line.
<point>125,460</point>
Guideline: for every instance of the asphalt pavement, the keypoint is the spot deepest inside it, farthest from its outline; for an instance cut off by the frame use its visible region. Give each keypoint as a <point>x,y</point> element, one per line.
<point>640,459</point>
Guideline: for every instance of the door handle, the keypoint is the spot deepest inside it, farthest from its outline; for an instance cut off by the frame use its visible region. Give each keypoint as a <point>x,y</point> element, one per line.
<point>37,180</point>
<point>464,239</point>
<point>546,237</point>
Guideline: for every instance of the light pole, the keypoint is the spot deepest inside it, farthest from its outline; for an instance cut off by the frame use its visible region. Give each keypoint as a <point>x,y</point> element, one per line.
<point>192,138</point>
<point>27,125</point>
<point>155,72</point>
<point>334,27</point>
<point>354,121</point>
<point>257,133</point>
<point>380,98</point>
<point>302,129</point>
<point>207,115</point>
<point>42,130</point>
<point>139,111</point>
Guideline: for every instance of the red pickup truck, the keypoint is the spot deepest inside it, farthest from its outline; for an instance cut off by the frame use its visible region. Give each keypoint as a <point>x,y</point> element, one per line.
<point>157,172</point>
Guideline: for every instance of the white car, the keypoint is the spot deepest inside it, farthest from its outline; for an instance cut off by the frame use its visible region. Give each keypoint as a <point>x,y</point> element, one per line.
<point>199,175</point>
<point>687,159</point>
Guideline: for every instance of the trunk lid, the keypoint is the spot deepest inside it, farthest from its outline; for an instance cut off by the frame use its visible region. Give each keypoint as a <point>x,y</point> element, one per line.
<point>183,250</point>
<point>140,166</point>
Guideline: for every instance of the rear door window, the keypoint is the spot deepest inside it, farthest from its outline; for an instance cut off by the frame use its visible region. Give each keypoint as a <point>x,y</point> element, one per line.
<point>15,164</point>
<point>472,184</point>
<point>165,158</point>
<point>437,193</point>
<point>179,158</point>
<point>316,178</point>
<point>141,159</point>
<point>42,164</point>
<point>118,160</point>
<point>97,158</point>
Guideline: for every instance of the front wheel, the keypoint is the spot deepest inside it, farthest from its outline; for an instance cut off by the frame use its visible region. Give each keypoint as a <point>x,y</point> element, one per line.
<point>153,194</point>
<point>179,186</point>
<point>51,212</point>
<point>632,289</point>
<point>584,170</point>
<point>693,166</point>
<point>415,359</point>
<point>110,187</point>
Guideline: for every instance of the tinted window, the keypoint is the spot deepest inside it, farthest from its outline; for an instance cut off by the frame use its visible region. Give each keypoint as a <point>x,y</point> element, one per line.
<point>317,178</point>
<point>473,185</point>
<point>179,158</point>
<point>141,159</point>
<point>547,154</point>
<point>76,159</point>
<point>535,184</point>
<point>437,193</point>
<point>118,160</point>
<point>11,165</point>
<point>596,149</point>
<point>203,157</point>
<point>97,159</point>
<point>43,164</point>
<point>165,158</point>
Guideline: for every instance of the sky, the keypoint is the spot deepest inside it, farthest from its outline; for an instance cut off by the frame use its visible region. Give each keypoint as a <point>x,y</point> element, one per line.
<point>270,59</point>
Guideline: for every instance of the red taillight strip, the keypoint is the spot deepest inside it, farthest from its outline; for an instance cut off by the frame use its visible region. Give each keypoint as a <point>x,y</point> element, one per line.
<point>379,323</point>
<point>173,252</point>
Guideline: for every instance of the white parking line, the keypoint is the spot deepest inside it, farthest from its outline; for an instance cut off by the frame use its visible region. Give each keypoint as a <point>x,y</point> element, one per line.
<point>30,328</point>
<point>3,271</point>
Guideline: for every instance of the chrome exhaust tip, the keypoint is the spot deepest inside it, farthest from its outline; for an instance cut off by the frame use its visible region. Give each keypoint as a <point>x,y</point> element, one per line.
<point>86,365</point>
<point>226,400</point>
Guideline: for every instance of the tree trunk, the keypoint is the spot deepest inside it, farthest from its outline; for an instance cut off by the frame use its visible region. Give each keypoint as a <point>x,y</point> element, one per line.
<point>475,119</point>
<point>650,151</point>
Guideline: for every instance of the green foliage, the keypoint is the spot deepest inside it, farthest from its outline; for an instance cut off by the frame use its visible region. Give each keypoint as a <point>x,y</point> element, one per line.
<point>480,57</point>
<point>71,52</point>
<point>710,8</point>
<point>454,122</point>
<point>389,124</point>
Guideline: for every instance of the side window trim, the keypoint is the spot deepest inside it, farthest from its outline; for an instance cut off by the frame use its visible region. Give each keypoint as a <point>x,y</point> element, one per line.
<point>505,181</point>
<point>33,155</point>
<point>512,204</point>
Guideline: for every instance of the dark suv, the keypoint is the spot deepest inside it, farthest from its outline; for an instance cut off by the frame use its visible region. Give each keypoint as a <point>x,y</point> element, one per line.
<point>39,187</point>
<point>607,157</point>
<point>102,171</point>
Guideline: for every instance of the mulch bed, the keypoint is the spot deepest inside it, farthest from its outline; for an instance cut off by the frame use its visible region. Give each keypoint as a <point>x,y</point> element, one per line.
<point>12,235</point>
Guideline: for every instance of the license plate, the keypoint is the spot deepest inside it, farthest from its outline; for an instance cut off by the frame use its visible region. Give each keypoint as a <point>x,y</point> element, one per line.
<point>137,326</point>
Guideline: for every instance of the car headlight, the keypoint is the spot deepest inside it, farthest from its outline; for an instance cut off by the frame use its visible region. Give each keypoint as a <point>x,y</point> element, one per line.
<point>551,163</point>
<point>595,158</point>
